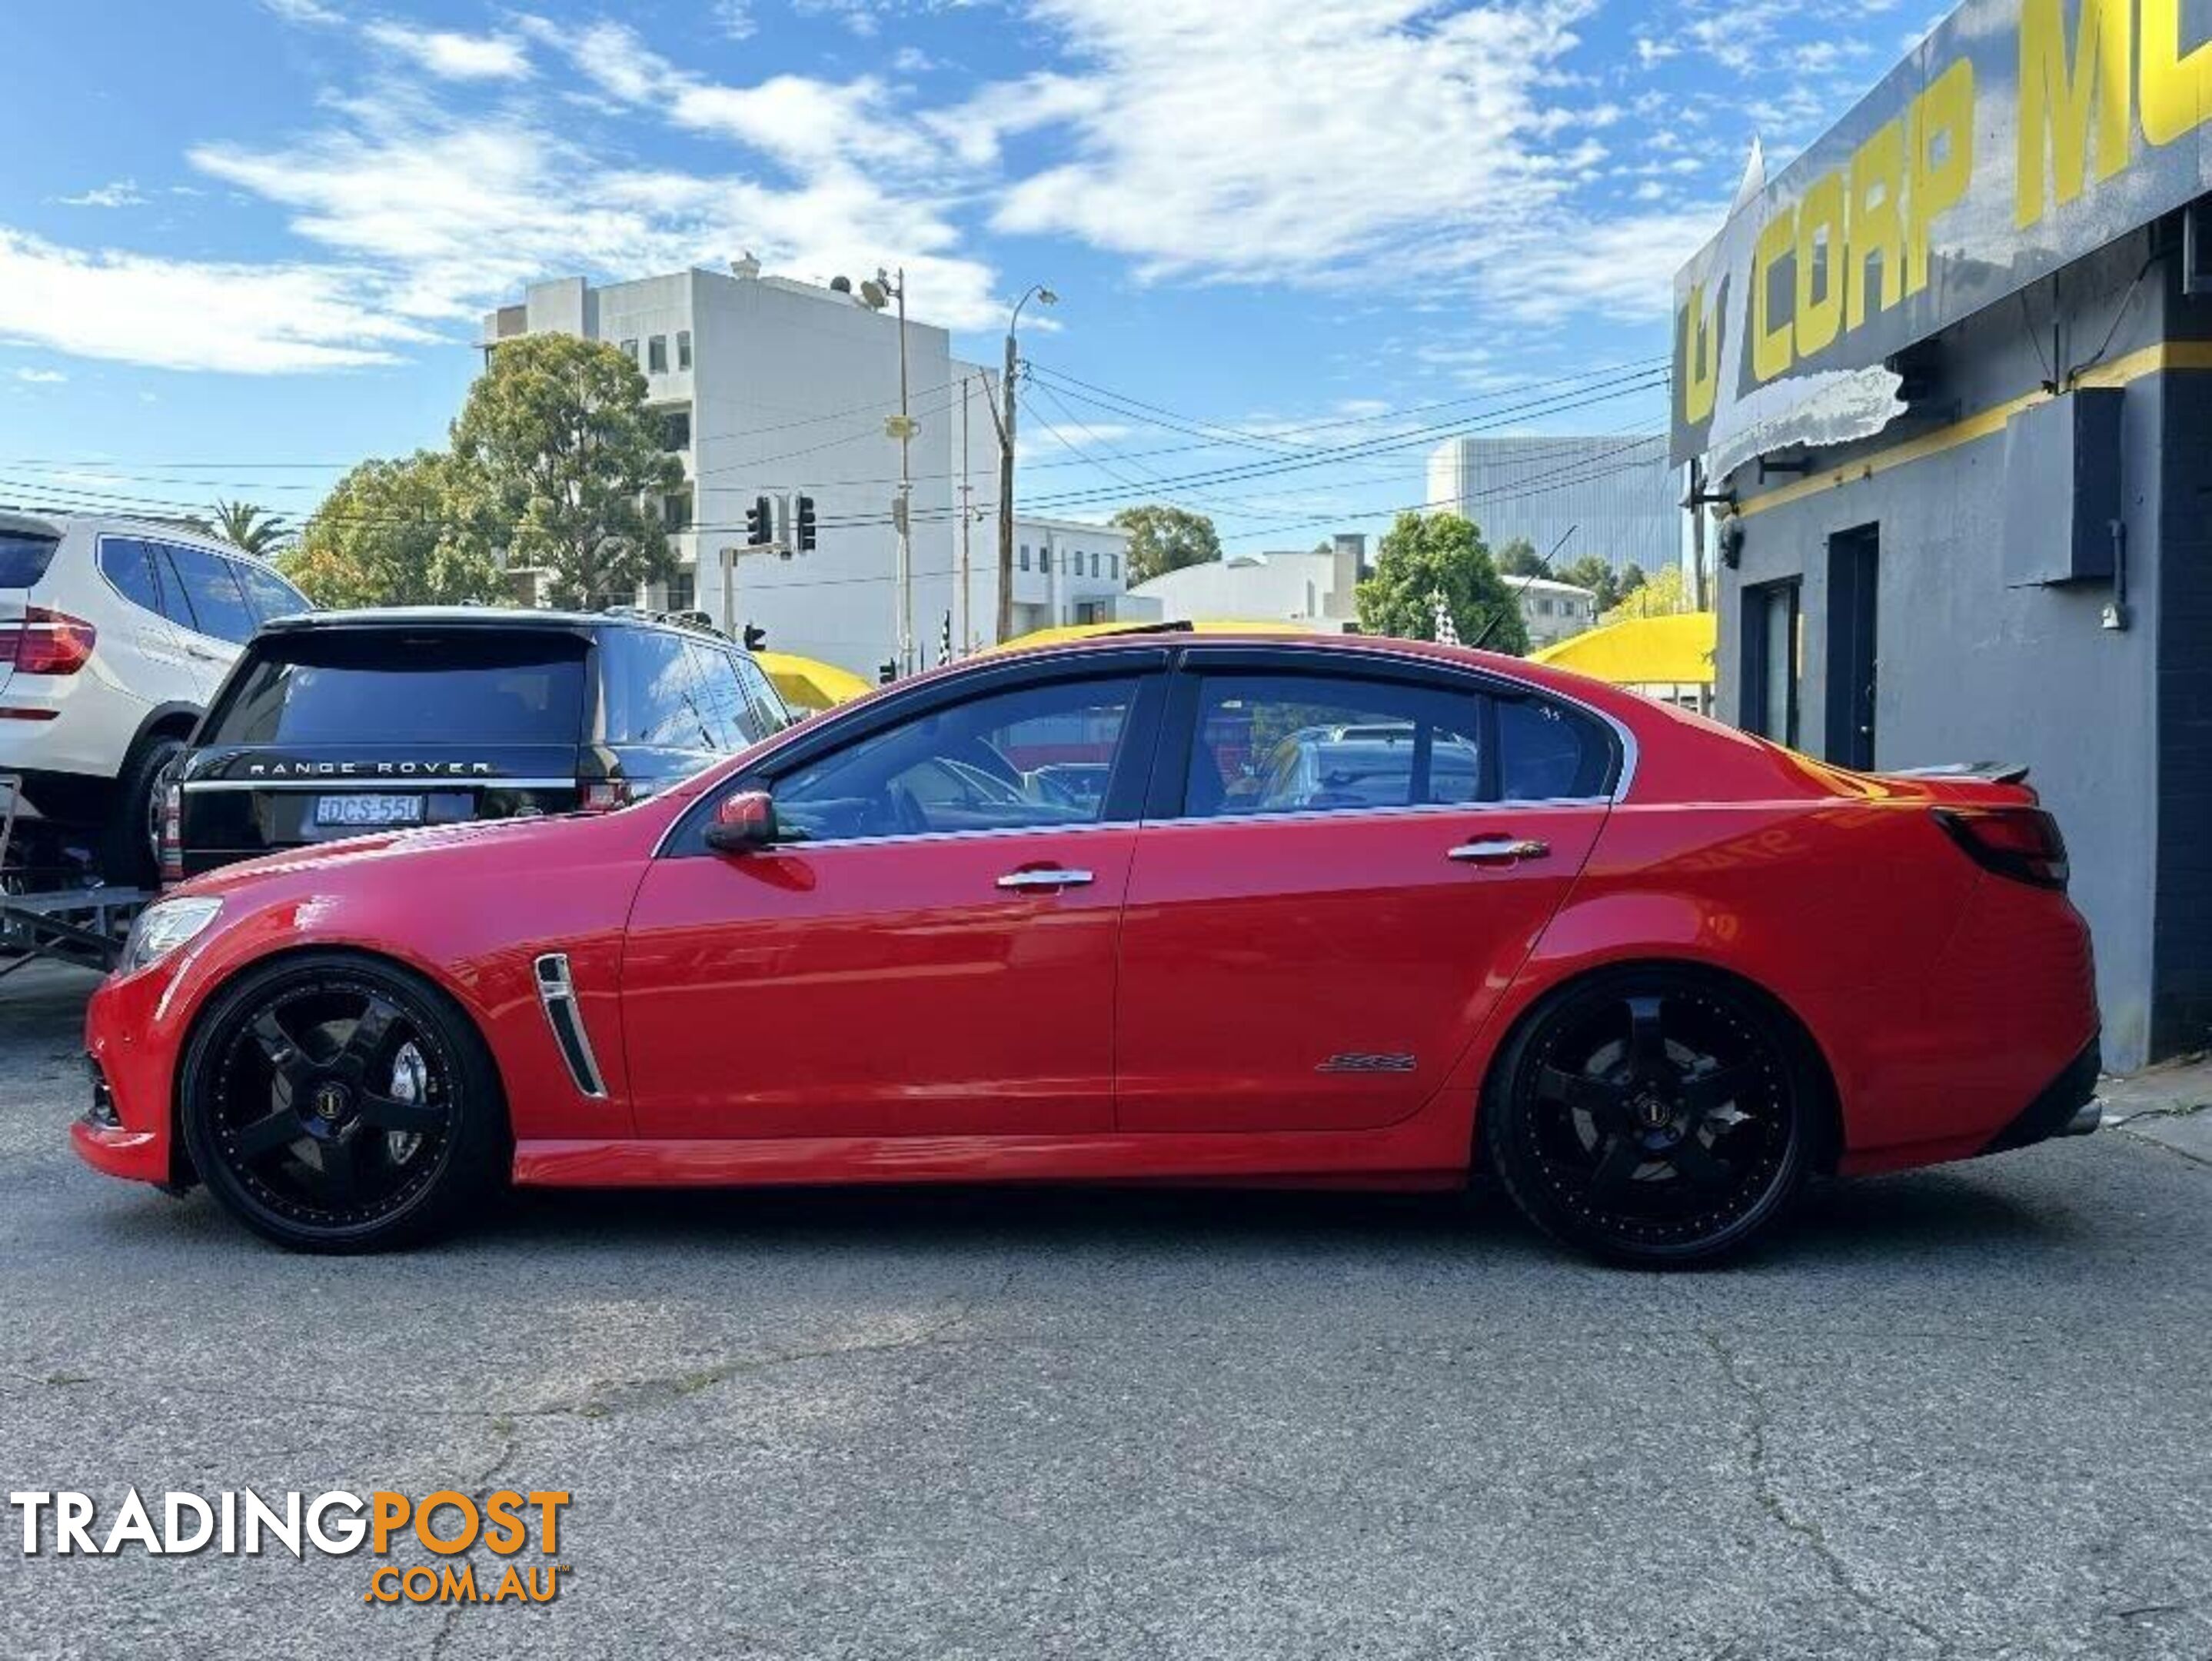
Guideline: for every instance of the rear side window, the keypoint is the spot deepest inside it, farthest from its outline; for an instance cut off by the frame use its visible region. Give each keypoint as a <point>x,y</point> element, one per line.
<point>1548,753</point>
<point>269,595</point>
<point>651,691</point>
<point>24,557</point>
<point>217,604</point>
<point>451,687</point>
<point>1320,743</point>
<point>127,563</point>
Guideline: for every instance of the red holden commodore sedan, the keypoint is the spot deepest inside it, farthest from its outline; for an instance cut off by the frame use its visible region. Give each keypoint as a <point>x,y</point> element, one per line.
<point>1157,908</point>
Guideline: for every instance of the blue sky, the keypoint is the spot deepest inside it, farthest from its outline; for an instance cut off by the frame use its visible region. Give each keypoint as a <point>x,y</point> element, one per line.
<point>243,242</point>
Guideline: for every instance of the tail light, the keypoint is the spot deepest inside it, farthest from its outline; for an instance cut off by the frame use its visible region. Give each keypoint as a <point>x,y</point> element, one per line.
<point>2020,842</point>
<point>173,836</point>
<point>604,795</point>
<point>45,642</point>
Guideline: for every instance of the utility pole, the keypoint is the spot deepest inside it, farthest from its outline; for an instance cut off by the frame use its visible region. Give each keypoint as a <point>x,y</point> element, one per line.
<point>906,500</point>
<point>967,635</point>
<point>1005,629</point>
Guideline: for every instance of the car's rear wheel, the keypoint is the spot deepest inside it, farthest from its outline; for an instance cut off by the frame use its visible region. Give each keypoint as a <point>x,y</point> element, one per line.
<point>339,1104</point>
<point>1654,1116</point>
<point>131,843</point>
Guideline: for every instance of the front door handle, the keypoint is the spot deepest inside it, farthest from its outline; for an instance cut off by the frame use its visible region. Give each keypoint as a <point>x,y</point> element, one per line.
<point>1498,850</point>
<point>1047,877</point>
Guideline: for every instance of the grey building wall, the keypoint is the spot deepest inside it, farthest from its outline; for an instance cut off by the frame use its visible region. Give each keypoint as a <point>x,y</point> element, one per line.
<point>1614,491</point>
<point>2116,725</point>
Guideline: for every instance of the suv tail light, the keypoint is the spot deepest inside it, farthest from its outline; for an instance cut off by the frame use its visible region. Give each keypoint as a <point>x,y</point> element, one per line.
<point>604,795</point>
<point>173,836</point>
<point>47,642</point>
<point>2020,842</point>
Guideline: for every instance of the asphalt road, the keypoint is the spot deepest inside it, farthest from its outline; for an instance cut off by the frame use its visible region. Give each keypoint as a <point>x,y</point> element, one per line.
<point>1956,1413</point>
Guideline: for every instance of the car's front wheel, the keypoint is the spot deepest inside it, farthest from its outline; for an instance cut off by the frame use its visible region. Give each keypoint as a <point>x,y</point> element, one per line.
<point>1654,1116</point>
<point>339,1104</point>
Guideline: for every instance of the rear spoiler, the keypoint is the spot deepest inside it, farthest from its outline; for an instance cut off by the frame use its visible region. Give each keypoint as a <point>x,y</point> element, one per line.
<point>1990,772</point>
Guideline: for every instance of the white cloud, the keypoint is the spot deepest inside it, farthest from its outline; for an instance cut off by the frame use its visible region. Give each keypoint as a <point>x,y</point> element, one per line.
<point>453,56</point>
<point>121,193</point>
<point>735,18</point>
<point>1622,268</point>
<point>41,377</point>
<point>188,315</point>
<point>304,11</point>
<point>1282,141</point>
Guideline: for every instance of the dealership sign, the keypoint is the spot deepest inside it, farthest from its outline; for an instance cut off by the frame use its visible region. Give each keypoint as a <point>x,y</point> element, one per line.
<point>2019,135</point>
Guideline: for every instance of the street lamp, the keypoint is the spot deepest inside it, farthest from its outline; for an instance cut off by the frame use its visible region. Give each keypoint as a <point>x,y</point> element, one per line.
<point>1043,296</point>
<point>875,295</point>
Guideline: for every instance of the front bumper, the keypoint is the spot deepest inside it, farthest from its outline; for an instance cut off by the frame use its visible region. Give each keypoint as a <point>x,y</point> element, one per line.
<point>125,1130</point>
<point>2067,1106</point>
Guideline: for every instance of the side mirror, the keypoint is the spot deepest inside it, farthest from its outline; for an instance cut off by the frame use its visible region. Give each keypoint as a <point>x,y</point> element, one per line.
<point>744,823</point>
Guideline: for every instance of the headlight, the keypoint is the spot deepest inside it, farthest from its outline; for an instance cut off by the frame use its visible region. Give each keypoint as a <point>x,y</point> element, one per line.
<point>163,926</point>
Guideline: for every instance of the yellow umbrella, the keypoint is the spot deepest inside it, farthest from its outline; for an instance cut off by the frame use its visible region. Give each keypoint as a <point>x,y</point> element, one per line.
<point>1067,632</point>
<point>808,683</point>
<point>1661,651</point>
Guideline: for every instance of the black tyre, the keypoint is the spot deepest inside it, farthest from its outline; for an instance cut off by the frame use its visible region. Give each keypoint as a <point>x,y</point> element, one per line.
<point>1657,1116</point>
<point>130,842</point>
<point>339,1104</point>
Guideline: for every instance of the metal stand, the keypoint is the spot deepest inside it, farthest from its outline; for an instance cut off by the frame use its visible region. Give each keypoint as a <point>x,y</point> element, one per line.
<point>83,926</point>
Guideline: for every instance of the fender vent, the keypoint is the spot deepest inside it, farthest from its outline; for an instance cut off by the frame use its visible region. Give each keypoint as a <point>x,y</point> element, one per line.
<point>558,994</point>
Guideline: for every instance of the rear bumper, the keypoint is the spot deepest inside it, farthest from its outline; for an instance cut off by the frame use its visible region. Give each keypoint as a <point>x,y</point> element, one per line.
<point>2067,1106</point>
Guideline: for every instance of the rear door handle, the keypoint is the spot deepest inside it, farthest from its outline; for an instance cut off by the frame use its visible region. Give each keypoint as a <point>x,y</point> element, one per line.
<point>1498,850</point>
<point>1049,877</point>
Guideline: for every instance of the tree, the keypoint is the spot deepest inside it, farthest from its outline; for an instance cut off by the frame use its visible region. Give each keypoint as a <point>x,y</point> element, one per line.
<point>394,534</point>
<point>1164,538</point>
<point>1519,558</point>
<point>1632,579</point>
<point>558,457</point>
<point>1663,596</point>
<point>1591,572</point>
<point>249,526</point>
<point>1441,553</point>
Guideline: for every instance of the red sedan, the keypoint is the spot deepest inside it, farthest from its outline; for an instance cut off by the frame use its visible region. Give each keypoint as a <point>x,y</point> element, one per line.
<point>1157,908</point>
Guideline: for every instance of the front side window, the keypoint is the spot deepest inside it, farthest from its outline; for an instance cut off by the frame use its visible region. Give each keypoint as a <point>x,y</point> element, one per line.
<point>218,603</point>
<point>727,714</point>
<point>1302,743</point>
<point>269,595</point>
<point>1029,757</point>
<point>770,713</point>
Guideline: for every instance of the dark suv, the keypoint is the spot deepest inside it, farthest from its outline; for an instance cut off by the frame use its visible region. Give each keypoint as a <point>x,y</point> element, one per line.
<point>346,722</point>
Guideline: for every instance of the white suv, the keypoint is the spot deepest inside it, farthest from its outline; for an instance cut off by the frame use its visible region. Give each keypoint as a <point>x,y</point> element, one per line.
<point>114,634</point>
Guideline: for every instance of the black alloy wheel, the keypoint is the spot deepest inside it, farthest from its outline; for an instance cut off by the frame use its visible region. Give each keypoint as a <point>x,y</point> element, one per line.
<point>1657,1117</point>
<point>332,1103</point>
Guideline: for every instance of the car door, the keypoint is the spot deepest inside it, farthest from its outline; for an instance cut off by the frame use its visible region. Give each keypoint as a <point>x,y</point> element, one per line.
<point>159,671</point>
<point>892,966</point>
<point>202,597</point>
<point>1342,872</point>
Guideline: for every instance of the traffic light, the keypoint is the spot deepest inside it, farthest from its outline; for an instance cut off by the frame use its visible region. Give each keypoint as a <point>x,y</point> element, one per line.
<point>760,523</point>
<point>806,531</point>
<point>756,637</point>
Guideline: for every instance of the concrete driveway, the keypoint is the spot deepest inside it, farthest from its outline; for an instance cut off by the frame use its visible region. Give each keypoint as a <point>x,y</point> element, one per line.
<point>1956,1413</point>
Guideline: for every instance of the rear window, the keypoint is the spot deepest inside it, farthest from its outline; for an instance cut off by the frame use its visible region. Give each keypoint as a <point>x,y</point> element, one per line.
<point>431,687</point>
<point>24,557</point>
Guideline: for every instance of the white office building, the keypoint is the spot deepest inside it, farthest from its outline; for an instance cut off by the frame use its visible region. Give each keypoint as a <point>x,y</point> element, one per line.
<point>783,389</point>
<point>1317,589</point>
<point>1614,496</point>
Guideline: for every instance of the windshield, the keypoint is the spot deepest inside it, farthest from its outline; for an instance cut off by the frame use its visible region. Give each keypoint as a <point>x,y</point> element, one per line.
<point>24,556</point>
<point>474,686</point>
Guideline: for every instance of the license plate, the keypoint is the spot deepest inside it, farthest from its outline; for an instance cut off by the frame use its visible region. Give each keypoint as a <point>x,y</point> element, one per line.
<point>364,809</point>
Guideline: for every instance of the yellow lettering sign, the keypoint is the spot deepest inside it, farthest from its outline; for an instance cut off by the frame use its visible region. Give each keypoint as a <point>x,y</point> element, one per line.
<point>2058,104</point>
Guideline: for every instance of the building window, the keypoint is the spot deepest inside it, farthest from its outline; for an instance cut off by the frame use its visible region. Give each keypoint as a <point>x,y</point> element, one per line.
<point>683,348</point>
<point>683,592</point>
<point>676,510</point>
<point>1094,563</point>
<point>1543,608</point>
<point>629,350</point>
<point>1025,556</point>
<point>1113,566</point>
<point>1773,662</point>
<point>675,429</point>
<point>656,355</point>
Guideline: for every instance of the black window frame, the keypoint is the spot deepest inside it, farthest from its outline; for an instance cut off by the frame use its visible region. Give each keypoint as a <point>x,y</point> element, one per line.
<point>1753,714</point>
<point>1122,804</point>
<point>1164,795</point>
